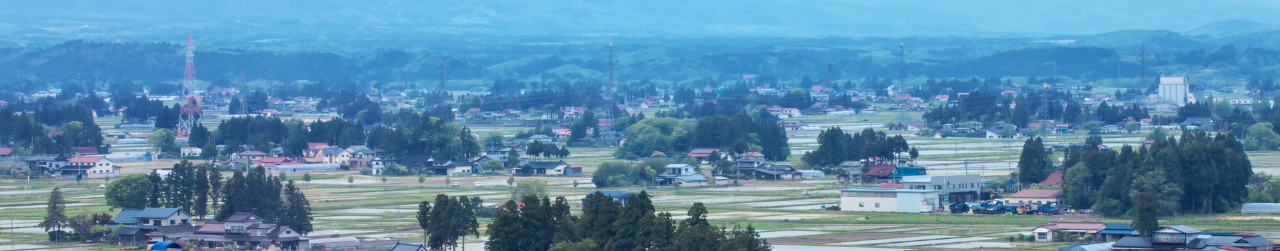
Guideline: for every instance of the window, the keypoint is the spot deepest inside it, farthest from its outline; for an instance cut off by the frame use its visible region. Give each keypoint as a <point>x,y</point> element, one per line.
<point>288,232</point>
<point>184,222</point>
<point>157,222</point>
<point>1042,236</point>
<point>877,204</point>
<point>172,222</point>
<point>860,204</point>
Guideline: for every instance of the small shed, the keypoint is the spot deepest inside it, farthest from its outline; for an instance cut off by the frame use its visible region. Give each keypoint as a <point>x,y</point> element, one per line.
<point>1260,208</point>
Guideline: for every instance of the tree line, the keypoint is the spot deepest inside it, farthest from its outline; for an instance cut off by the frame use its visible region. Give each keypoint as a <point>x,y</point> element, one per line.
<point>835,146</point>
<point>666,136</point>
<point>606,224</point>
<point>1195,173</point>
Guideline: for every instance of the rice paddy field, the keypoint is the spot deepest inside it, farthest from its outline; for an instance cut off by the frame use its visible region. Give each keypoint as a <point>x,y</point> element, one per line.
<point>384,211</point>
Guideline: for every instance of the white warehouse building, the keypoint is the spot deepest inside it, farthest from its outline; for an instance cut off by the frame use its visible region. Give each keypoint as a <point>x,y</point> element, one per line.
<point>888,200</point>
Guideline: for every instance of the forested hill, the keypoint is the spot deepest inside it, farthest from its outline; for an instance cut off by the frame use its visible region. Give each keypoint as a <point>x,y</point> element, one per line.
<point>158,62</point>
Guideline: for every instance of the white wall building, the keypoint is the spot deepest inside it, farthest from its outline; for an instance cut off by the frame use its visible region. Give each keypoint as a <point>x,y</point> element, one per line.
<point>888,200</point>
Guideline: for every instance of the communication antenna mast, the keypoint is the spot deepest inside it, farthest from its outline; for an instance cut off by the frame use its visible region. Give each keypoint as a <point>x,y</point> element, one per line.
<point>189,114</point>
<point>609,88</point>
<point>830,77</point>
<point>244,95</point>
<point>902,64</point>
<point>441,74</point>
<point>1142,63</point>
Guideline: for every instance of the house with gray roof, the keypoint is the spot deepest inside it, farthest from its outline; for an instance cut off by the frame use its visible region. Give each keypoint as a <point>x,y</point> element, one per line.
<point>251,232</point>
<point>681,175</point>
<point>138,226</point>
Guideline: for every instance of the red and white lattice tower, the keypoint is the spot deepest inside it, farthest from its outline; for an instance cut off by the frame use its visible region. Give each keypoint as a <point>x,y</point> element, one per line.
<point>190,112</point>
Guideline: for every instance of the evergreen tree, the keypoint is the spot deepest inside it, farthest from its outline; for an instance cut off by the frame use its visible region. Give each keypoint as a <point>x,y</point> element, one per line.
<point>156,185</point>
<point>55,212</point>
<point>464,221</point>
<point>1034,165</point>
<point>298,214</point>
<point>441,222</point>
<point>179,185</point>
<point>215,187</point>
<point>1145,208</point>
<point>424,219</point>
<point>201,204</point>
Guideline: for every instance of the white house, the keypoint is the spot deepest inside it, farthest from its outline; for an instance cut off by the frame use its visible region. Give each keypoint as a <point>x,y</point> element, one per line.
<point>888,200</point>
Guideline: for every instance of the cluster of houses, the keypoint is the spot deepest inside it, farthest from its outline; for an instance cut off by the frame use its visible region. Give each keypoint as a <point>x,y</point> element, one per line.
<point>141,226</point>
<point>84,166</point>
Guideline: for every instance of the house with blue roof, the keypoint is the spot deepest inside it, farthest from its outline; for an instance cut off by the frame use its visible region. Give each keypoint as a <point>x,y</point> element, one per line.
<point>138,226</point>
<point>1113,232</point>
<point>681,175</point>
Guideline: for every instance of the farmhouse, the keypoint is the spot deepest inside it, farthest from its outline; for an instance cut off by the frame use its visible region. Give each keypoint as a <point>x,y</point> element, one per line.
<point>1033,196</point>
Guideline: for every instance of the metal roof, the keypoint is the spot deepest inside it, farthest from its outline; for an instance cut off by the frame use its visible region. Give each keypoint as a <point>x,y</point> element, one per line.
<point>1260,208</point>
<point>126,216</point>
<point>156,213</point>
<point>887,190</point>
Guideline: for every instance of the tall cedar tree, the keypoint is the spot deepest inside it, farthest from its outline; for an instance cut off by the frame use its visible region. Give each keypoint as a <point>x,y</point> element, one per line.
<point>156,185</point>
<point>1033,165</point>
<point>424,219</point>
<point>55,211</point>
<point>201,206</point>
<point>179,185</point>
<point>298,214</point>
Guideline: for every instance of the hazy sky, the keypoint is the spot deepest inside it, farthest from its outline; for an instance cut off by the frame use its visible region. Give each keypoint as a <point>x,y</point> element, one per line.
<point>651,17</point>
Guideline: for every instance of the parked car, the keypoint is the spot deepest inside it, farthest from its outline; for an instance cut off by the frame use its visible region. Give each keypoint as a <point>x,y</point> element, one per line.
<point>455,184</point>
<point>479,184</point>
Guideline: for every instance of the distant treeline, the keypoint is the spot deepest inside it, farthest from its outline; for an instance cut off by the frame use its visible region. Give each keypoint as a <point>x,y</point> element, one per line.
<point>153,63</point>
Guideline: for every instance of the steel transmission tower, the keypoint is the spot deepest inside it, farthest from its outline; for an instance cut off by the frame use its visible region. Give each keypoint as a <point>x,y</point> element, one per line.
<point>441,74</point>
<point>190,113</point>
<point>902,65</point>
<point>609,88</point>
<point>244,95</point>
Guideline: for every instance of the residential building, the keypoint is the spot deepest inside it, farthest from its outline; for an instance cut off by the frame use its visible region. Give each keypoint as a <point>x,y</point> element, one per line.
<point>249,156</point>
<point>681,175</point>
<point>551,167</point>
<point>138,226</point>
<point>90,167</point>
<point>951,187</point>
<point>250,232</point>
<point>47,163</point>
<point>888,200</point>
<point>1113,232</point>
<point>190,152</point>
<point>1039,196</point>
<point>757,168</point>
<point>1046,232</point>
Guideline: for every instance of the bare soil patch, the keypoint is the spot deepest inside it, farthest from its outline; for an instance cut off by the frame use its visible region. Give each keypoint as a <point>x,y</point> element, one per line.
<point>826,238</point>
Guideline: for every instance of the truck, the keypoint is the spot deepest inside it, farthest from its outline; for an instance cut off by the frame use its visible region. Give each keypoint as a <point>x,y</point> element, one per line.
<point>993,207</point>
<point>959,207</point>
